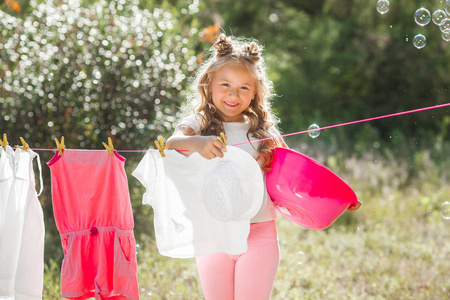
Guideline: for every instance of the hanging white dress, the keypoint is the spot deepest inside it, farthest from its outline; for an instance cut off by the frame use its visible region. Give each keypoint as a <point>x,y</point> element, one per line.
<point>22,235</point>
<point>6,177</point>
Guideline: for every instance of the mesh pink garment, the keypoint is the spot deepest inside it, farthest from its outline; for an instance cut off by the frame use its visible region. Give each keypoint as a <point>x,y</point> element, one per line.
<point>92,210</point>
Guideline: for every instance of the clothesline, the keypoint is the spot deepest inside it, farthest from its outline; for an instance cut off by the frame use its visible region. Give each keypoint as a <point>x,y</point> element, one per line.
<point>309,130</point>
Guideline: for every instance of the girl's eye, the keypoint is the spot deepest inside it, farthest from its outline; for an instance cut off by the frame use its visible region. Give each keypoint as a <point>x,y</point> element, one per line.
<point>225,84</point>
<point>244,88</point>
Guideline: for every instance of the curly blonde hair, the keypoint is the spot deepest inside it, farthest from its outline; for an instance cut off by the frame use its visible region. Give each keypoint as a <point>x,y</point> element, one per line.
<point>231,50</point>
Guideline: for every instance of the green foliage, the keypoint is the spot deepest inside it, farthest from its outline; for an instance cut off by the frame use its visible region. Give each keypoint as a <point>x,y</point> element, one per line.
<point>335,61</point>
<point>88,71</point>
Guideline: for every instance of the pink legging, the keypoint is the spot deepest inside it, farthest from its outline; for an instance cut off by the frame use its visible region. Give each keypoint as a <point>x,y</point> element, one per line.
<point>246,276</point>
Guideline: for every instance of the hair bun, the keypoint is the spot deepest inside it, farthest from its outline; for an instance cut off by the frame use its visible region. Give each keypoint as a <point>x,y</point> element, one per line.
<point>252,50</point>
<point>223,46</point>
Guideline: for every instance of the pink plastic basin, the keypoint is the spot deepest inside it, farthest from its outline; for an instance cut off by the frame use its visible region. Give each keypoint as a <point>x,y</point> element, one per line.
<point>306,192</point>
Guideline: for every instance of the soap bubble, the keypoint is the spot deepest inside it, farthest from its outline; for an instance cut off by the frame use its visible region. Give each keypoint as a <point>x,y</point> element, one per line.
<point>439,16</point>
<point>315,130</point>
<point>273,18</point>
<point>422,16</point>
<point>383,6</point>
<point>446,35</point>
<point>445,25</point>
<point>419,41</point>
<point>301,257</point>
<point>138,249</point>
<point>445,210</point>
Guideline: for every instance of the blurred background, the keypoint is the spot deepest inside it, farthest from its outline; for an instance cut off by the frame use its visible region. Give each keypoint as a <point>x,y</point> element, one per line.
<point>89,70</point>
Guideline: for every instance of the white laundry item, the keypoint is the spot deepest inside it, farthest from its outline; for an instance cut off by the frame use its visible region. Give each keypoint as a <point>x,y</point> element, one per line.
<point>6,177</point>
<point>183,226</point>
<point>22,238</point>
<point>233,190</point>
<point>236,133</point>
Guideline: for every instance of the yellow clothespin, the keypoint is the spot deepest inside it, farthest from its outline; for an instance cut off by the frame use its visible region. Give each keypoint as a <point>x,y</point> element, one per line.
<point>223,141</point>
<point>4,143</point>
<point>60,146</point>
<point>109,147</point>
<point>160,146</point>
<point>24,146</point>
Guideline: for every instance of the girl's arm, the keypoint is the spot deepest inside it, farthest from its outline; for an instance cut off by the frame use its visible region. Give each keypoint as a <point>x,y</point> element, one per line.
<point>207,146</point>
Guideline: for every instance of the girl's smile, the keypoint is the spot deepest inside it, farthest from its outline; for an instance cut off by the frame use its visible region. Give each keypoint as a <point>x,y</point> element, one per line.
<point>232,104</point>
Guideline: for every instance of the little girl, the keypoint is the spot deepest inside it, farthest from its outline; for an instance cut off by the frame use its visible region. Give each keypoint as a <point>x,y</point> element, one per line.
<point>232,96</point>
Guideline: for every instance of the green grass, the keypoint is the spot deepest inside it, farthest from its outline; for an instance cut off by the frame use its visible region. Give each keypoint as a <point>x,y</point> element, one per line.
<point>396,246</point>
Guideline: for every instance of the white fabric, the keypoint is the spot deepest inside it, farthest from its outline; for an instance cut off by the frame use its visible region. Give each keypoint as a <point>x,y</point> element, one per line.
<point>6,177</point>
<point>183,226</point>
<point>22,236</point>
<point>233,190</point>
<point>236,133</point>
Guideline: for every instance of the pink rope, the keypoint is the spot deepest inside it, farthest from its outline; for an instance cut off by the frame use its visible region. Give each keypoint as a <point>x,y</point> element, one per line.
<point>309,130</point>
<point>352,122</point>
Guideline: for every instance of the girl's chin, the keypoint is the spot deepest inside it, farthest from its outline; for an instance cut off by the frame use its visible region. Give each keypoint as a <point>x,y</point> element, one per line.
<point>236,118</point>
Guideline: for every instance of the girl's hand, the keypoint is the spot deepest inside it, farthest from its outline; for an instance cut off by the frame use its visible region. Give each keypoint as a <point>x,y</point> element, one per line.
<point>209,147</point>
<point>354,207</point>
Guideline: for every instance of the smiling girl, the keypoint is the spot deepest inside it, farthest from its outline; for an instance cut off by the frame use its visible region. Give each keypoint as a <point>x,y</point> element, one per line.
<point>231,95</point>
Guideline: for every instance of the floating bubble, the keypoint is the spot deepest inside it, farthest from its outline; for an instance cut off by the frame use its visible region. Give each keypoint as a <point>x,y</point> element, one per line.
<point>439,16</point>
<point>138,249</point>
<point>445,210</point>
<point>383,6</point>
<point>301,256</point>
<point>422,16</point>
<point>445,25</point>
<point>273,18</point>
<point>419,41</point>
<point>314,130</point>
<point>50,77</point>
<point>446,35</point>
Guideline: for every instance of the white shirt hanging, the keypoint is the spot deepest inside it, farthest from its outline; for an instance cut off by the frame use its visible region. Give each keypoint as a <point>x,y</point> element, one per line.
<point>184,227</point>
<point>22,236</point>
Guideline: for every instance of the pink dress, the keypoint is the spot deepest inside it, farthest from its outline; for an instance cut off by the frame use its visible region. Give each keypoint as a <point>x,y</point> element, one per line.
<point>93,214</point>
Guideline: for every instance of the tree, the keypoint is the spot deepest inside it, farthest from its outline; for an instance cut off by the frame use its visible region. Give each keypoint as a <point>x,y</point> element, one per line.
<point>92,71</point>
<point>335,61</point>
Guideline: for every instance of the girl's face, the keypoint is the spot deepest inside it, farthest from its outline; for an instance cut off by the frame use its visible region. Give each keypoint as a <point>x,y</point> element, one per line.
<point>233,88</point>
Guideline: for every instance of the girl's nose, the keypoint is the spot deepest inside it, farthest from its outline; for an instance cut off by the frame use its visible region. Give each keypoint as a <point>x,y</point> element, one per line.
<point>233,93</point>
